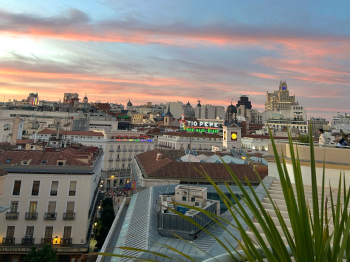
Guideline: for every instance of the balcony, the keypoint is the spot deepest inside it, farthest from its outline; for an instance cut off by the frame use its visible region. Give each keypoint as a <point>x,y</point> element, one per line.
<point>110,159</point>
<point>119,150</point>
<point>66,241</point>
<point>117,169</point>
<point>53,193</point>
<point>47,241</point>
<point>50,216</point>
<point>35,192</point>
<point>142,150</point>
<point>71,193</point>
<point>16,193</point>
<point>148,149</point>
<point>124,150</point>
<point>8,241</point>
<point>124,159</point>
<point>130,149</point>
<point>31,215</point>
<point>129,158</point>
<point>117,159</point>
<point>111,150</point>
<point>28,241</point>
<point>136,150</point>
<point>12,215</point>
<point>69,216</point>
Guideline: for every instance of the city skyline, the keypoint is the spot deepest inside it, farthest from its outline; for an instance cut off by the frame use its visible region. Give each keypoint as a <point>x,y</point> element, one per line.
<point>161,51</point>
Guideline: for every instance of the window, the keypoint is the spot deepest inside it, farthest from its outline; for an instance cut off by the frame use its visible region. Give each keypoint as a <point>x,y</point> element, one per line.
<point>183,198</point>
<point>35,189</point>
<point>43,162</point>
<point>72,188</point>
<point>48,232</point>
<point>193,199</point>
<point>32,207</point>
<point>51,208</point>
<point>16,188</point>
<point>29,232</point>
<point>10,232</point>
<point>54,188</point>
<point>60,163</point>
<point>8,161</point>
<point>67,232</point>
<point>14,206</point>
<point>70,207</point>
<point>118,147</point>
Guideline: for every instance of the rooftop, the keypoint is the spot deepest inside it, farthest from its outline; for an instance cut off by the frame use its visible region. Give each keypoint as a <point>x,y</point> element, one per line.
<point>75,155</point>
<point>167,166</point>
<point>70,133</point>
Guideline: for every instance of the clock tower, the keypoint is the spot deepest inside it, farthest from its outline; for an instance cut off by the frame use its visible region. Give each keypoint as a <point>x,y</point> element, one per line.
<point>232,136</point>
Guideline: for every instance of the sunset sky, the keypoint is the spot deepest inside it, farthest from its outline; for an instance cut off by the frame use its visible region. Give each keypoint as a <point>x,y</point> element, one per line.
<point>166,50</point>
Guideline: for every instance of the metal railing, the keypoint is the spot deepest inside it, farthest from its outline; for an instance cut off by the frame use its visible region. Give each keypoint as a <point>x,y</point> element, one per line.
<point>53,193</point>
<point>35,192</point>
<point>12,215</point>
<point>110,159</point>
<point>124,150</point>
<point>71,193</point>
<point>46,241</point>
<point>28,241</point>
<point>66,241</point>
<point>119,150</point>
<point>8,241</point>
<point>69,216</point>
<point>31,215</point>
<point>117,159</point>
<point>50,216</point>
<point>130,150</point>
<point>111,150</point>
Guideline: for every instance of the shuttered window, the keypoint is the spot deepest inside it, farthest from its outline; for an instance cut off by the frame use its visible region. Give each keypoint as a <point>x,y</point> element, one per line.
<point>52,207</point>
<point>72,188</point>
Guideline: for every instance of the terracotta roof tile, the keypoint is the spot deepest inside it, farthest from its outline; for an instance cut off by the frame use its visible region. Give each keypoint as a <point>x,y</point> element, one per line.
<point>170,168</point>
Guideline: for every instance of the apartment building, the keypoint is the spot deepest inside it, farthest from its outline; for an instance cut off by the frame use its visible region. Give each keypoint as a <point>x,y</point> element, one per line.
<point>189,141</point>
<point>52,194</point>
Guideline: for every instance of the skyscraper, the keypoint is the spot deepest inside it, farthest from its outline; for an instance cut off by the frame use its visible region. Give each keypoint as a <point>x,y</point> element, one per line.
<point>280,100</point>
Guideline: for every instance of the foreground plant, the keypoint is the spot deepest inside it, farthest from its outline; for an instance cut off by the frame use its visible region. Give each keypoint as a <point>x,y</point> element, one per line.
<point>308,237</point>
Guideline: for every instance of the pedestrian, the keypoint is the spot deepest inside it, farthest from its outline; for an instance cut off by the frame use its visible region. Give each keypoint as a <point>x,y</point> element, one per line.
<point>321,139</point>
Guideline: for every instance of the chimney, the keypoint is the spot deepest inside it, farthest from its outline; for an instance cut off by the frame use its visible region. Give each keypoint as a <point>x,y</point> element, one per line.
<point>159,156</point>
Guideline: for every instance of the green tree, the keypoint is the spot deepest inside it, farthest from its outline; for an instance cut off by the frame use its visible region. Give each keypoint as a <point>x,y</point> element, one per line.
<point>105,221</point>
<point>46,254</point>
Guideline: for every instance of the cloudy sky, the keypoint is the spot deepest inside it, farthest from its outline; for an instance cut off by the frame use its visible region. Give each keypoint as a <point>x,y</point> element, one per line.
<point>177,50</point>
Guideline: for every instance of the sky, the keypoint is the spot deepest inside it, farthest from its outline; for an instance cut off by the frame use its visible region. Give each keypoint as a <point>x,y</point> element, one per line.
<point>159,51</point>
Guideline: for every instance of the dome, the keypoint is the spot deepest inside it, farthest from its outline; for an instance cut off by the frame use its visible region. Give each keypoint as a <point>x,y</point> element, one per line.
<point>199,103</point>
<point>231,109</point>
<point>188,103</point>
<point>129,103</point>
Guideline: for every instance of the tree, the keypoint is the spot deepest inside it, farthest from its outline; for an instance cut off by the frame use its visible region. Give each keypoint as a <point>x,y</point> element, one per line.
<point>105,222</point>
<point>46,254</point>
<point>303,139</point>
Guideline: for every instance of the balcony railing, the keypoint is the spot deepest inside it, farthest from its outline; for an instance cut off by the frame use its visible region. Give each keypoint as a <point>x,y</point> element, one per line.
<point>46,241</point>
<point>142,150</point>
<point>72,193</point>
<point>66,241</point>
<point>16,193</point>
<point>31,215</point>
<point>129,158</point>
<point>130,149</point>
<point>148,149</point>
<point>12,215</point>
<point>124,150</point>
<point>110,159</point>
<point>50,216</point>
<point>53,193</point>
<point>111,150</point>
<point>136,150</point>
<point>117,159</point>
<point>69,216</point>
<point>118,150</point>
<point>124,159</point>
<point>8,241</point>
<point>35,192</point>
<point>28,241</point>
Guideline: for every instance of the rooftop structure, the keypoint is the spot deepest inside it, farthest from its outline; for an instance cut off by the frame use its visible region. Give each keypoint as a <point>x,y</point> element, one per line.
<point>280,100</point>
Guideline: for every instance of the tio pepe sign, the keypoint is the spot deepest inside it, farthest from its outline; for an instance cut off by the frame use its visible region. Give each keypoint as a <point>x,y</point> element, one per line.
<point>202,124</point>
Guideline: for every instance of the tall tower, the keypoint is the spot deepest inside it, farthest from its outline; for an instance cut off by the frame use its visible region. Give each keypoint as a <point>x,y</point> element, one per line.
<point>231,136</point>
<point>168,118</point>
